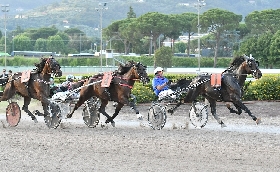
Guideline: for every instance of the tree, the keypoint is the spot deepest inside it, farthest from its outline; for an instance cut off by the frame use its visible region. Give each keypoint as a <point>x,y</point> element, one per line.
<point>275,48</point>
<point>263,49</point>
<point>249,46</point>
<point>44,32</point>
<point>41,45</point>
<point>260,22</point>
<point>216,21</point>
<point>131,13</point>
<point>186,26</point>
<point>163,57</point>
<point>73,31</point>
<point>55,44</point>
<point>152,25</point>
<point>180,47</point>
<point>22,43</point>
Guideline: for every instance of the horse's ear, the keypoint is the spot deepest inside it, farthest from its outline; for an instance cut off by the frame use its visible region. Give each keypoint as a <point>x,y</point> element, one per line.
<point>245,57</point>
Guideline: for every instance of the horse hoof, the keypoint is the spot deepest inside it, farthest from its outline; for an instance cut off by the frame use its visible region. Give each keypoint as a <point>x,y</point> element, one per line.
<point>139,116</point>
<point>258,121</point>
<point>104,126</point>
<point>113,123</point>
<point>35,112</point>
<point>69,116</point>
<point>223,125</point>
<point>170,111</point>
<point>35,120</point>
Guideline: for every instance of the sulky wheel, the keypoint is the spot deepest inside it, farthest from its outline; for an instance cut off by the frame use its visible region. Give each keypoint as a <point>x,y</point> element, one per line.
<point>91,115</point>
<point>13,114</point>
<point>53,120</point>
<point>198,115</point>
<point>157,116</point>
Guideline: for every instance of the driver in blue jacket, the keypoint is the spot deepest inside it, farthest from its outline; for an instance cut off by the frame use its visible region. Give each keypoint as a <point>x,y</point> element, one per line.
<point>161,84</point>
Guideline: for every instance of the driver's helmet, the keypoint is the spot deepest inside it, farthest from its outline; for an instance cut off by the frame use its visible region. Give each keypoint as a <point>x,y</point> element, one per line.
<point>70,78</point>
<point>158,69</point>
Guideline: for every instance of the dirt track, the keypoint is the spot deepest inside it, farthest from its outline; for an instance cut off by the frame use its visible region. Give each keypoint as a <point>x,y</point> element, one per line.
<point>242,146</point>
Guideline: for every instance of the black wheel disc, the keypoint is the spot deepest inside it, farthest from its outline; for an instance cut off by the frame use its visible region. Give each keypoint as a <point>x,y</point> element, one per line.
<point>157,116</point>
<point>199,117</point>
<point>91,115</point>
<point>53,120</point>
<point>91,119</point>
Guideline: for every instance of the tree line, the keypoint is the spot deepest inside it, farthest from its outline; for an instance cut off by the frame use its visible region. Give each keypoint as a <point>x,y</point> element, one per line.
<point>227,35</point>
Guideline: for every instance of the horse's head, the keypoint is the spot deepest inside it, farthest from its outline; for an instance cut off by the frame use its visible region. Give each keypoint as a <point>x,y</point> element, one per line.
<point>122,69</point>
<point>142,73</point>
<point>252,67</point>
<point>52,66</point>
<point>137,69</point>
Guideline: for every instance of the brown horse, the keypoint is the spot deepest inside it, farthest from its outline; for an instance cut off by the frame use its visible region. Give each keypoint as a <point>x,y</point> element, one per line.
<point>231,86</point>
<point>118,91</point>
<point>37,87</point>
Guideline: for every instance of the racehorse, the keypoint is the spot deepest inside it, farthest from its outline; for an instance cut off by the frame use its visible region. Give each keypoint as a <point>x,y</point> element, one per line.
<point>37,87</point>
<point>231,86</point>
<point>118,91</point>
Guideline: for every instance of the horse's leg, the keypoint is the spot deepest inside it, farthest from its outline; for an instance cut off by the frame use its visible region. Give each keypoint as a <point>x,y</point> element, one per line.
<point>117,110</point>
<point>104,103</point>
<point>132,102</point>
<point>27,101</point>
<point>239,103</point>
<point>231,110</point>
<point>213,111</point>
<point>77,105</point>
<point>172,109</point>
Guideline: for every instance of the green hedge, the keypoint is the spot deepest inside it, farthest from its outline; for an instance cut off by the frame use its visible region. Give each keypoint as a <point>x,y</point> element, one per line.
<point>266,88</point>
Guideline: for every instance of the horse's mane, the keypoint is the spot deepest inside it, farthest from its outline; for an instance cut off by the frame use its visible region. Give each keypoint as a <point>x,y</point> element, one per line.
<point>236,62</point>
<point>124,68</point>
<point>40,66</point>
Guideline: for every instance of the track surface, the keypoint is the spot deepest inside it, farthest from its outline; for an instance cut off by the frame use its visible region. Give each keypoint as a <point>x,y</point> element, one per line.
<point>130,147</point>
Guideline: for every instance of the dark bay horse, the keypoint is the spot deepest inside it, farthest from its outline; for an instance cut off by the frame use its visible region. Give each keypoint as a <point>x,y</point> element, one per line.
<point>231,86</point>
<point>37,87</point>
<point>119,90</point>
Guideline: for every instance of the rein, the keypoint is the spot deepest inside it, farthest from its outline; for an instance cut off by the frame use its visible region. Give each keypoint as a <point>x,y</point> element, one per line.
<point>126,85</point>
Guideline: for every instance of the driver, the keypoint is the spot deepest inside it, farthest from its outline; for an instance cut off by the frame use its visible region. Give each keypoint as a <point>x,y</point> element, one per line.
<point>161,84</point>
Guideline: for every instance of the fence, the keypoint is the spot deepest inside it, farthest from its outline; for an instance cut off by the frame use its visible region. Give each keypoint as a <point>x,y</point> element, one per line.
<point>150,69</point>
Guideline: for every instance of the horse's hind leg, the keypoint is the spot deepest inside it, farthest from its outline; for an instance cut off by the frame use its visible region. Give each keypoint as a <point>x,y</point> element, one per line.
<point>231,110</point>
<point>117,110</point>
<point>243,107</point>
<point>27,101</point>
<point>132,102</point>
<point>104,103</point>
<point>213,112</point>
<point>77,105</point>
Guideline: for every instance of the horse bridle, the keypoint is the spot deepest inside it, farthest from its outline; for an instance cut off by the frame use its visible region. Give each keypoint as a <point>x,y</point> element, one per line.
<point>53,69</point>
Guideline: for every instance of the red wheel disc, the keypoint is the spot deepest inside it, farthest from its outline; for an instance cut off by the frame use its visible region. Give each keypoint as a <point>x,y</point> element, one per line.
<point>13,114</point>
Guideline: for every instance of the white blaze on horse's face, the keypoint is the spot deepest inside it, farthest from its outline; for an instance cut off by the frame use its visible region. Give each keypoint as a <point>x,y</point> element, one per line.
<point>254,67</point>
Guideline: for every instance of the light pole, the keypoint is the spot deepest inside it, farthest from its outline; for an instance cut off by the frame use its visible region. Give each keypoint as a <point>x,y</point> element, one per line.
<point>198,5</point>
<point>5,9</point>
<point>100,9</point>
